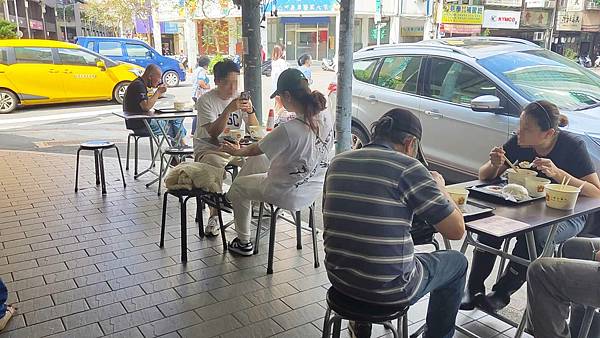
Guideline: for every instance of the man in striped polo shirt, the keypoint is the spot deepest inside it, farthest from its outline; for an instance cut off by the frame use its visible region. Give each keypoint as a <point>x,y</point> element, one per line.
<point>369,200</point>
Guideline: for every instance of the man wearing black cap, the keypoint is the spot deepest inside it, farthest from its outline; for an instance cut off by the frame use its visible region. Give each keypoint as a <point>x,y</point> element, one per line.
<point>370,198</point>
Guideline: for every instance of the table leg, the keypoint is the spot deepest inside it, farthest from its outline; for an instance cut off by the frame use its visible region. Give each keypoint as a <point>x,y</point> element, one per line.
<point>447,243</point>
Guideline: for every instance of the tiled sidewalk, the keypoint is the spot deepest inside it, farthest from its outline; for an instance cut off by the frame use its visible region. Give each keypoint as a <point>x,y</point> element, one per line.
<point>84,265</point>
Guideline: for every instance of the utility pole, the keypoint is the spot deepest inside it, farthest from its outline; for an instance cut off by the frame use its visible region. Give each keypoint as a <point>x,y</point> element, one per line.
<point>27,19</point>
<point>65,19</point>
<point>17,19</point>
<point>251,56</point>
<point>343,120</point>
<point>378,20</point>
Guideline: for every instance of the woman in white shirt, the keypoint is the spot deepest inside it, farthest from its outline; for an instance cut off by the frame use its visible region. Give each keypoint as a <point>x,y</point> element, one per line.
<point>299,154</point>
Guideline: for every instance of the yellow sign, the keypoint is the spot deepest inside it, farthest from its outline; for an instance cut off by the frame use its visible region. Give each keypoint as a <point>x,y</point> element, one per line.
<point>464,14</point>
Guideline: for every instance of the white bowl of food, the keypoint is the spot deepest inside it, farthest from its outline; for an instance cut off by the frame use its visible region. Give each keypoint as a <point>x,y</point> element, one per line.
<point>563,197</point>
<point>519,177</point>
<point>536,186</point>
<point>459,196</point>
<point>179,105</point>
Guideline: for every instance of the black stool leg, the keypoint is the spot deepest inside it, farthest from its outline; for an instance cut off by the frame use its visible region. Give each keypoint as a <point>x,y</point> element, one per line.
<point>96,165</point>
<point>222,227</point>
<point>274,214</point>
<point>182,203</point>
<point>102,174</point>
<point>326,324</point>
<point>298,230</point>
<point>337,327</point>
<point>77,170</point>
<point>313,228</point>
<point>404,333</point>
<point>120,166</point>
<point>164,221</point>
<point>261,209</point>
<point>200,216</point>
<point>135,155</point>
<point>128,145</point>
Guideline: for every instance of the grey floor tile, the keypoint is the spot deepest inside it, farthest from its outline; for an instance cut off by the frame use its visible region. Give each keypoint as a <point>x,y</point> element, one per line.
<point>101,277</point>
<point>300,316</point>
<point>80,293</point>
<point>211,328</point>
<point>261,312</point>
<point>223,308</point>
<point>34,304</point>
<point>271,293</point>
<point>57,311</point>
<point>115,296</point>
<point>153,299</point>
<point>304,331</point>
<point>266,328</point>
<point>201,286</point>
<point>70,274</point>
<point>235,290</point>
<point>186,304</point>
<point>170,324</point>
<point>304,298</point>
<point>45,290</point>
<point>93,315</point>
<point>35,331</point>
<point>88,331</point>
<point>131,280</point>
<point>131,333</point>
<point>130,320</point>
<point>167,283</point>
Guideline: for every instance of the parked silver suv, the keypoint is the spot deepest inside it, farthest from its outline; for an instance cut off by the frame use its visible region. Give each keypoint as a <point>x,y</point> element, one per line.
<point>446,82</point>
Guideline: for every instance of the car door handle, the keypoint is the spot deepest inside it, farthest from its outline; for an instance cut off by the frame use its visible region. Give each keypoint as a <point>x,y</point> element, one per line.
<point>67,71</point>
<point>433,114</point>
<point>372,99</point>
<point>53,71</point>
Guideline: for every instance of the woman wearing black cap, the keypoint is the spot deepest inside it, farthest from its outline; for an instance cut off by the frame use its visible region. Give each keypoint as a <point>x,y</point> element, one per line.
<point>299,153</point>
<point>556,155</point>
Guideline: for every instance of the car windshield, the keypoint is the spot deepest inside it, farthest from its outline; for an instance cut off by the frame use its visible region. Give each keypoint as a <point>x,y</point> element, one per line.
<point>544,75</point>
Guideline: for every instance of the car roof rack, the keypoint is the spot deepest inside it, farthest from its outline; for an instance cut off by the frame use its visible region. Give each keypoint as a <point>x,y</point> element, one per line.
<point>418,46</point>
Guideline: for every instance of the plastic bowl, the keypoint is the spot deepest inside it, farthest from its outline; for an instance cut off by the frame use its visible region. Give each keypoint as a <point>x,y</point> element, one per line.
<point>561,197</point>
<point>520,176</point>
<point>459,196</point>
<point>536,186</point>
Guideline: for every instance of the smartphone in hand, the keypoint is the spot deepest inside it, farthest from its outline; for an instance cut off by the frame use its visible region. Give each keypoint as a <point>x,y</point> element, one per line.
<point>245,95</point>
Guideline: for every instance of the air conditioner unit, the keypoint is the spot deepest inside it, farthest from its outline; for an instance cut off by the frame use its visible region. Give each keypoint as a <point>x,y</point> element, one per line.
<point>538,36</point>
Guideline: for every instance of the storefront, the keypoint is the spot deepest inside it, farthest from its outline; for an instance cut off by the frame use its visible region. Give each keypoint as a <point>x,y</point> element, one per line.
<point>591,26</point>
<point>170,37</point>
<point>461,20</point>
<point>535,23</point>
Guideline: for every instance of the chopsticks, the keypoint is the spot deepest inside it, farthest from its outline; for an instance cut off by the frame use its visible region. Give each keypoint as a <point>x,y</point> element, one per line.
<point>510,164</point>
<point>563,184</point>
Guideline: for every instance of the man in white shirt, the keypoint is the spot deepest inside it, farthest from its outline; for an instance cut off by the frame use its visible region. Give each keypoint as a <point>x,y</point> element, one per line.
<point>218,110</point>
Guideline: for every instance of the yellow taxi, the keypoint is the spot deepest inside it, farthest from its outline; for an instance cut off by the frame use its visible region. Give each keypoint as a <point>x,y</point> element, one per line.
<point>46,71</point>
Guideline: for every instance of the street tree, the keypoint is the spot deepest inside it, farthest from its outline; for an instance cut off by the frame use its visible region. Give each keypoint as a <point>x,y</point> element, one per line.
<point>8,30</point>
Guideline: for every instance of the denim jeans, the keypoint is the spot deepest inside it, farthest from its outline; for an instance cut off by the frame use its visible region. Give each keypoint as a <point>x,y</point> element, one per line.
<point>3,298</point>
<point>444,274</point>
<point>172,127</point>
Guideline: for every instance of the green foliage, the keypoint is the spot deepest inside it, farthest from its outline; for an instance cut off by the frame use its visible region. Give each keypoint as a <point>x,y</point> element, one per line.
<point>8,30</point>
<point>214,61</point>
<point>570,54</point>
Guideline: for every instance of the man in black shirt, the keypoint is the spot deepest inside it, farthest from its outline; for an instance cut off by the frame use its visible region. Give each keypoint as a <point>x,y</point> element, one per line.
<point>137,102</point>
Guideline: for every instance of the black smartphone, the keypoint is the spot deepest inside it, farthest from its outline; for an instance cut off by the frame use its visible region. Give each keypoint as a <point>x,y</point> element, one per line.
<point>229,139</point>
<point>245,95</point>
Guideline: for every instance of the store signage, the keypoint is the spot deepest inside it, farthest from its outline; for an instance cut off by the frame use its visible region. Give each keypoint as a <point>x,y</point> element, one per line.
<point>501,19</point>
<point>504,3</point>
<point>569,21</point>
<point>540,3</point>
<point>305,5</point>
<point>535,18</point>
<point>575,5</point>
<point>412,31</point>
<point>460,29</point>
<point>35,24</point>
<point>463,14</point>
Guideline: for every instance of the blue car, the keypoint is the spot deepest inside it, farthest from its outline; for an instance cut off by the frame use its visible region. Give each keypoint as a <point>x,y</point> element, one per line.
<point>136,52</point>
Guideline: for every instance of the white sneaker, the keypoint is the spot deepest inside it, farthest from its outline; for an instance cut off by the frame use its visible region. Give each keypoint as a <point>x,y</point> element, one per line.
<point>212,228</point>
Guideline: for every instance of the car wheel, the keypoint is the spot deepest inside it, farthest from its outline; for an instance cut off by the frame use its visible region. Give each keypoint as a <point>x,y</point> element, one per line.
<point>359,138</point>
<point>8,101</point>
<point>171,79</point>
<point>119,92</point>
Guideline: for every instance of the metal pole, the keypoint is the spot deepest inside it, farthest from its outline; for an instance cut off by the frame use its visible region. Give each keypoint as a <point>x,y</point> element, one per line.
<point>27,19</point>
<point>343,123</point>
<point>252,61</point>
<point>65,19</point>
<point>6,12</point>
<point>44,18</point>
<point>17,16</point>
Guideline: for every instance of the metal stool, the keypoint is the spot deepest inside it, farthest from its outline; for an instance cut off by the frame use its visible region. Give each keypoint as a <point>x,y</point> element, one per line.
<point>216,200</point>
<point>174,152</point>
<point>98,148</point>
<point>351,309</point>
<point>586,323</point>
<point>137,136</point>
<point>274,214</point>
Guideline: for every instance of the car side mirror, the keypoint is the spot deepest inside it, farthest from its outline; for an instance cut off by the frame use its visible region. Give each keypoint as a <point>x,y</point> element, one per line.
<point>486,104</point>
<point>149,55</point>
<point>100,64</point>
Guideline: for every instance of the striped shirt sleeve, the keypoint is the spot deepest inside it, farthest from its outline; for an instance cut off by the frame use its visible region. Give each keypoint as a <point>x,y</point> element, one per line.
<point>422,194</point>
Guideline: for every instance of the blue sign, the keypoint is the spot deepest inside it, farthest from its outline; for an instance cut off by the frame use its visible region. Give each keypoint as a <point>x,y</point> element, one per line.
<point>169,27</point>
<point>304,5</point>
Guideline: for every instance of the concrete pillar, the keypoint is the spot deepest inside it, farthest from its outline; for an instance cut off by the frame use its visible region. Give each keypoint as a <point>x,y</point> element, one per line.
<point>337,33</point>
<point>189,33</point>
<point>77,13</point>
<point>395,29</point>
<point>365,32</point>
